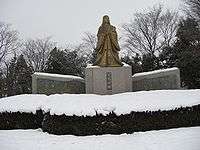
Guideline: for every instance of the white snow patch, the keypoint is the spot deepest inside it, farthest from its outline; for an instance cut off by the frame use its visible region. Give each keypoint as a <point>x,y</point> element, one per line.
<point>23,103</point>
<point>89,104</point>
<point>91,65</point>
<point>42,74</point>
<point>156,72</point>
<point>173,139</point>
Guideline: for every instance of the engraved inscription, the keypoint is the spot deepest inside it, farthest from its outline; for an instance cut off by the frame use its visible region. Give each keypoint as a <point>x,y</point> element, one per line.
<point>109,80</point>
<point>48,86</point>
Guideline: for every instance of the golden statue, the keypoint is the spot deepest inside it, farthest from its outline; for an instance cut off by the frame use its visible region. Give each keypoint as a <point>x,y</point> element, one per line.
<point>107,48</point>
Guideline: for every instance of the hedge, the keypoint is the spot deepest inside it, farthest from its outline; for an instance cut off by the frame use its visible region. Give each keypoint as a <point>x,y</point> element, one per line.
<point>21,120</point>
<point>100,124</point>
<point>128,123</point>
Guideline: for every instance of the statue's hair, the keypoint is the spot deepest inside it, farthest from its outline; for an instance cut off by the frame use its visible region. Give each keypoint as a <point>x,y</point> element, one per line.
<point>106,18</point>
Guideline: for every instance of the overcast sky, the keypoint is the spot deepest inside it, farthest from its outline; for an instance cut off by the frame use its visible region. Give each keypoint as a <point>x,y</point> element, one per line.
<point>67,20</point>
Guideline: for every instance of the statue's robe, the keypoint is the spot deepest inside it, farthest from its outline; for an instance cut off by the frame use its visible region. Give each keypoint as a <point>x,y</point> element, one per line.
<point>107,47</point>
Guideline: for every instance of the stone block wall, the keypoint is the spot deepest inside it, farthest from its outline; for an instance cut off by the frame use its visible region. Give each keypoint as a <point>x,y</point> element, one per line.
<point>157,80</point>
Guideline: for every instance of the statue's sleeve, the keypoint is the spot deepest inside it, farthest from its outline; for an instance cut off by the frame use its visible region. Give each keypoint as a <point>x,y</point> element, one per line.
<point>114,39</point>
<point>100,39</point>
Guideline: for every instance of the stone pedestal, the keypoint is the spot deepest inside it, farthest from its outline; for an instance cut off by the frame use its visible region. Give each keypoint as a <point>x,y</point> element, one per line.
<point>108,80</point>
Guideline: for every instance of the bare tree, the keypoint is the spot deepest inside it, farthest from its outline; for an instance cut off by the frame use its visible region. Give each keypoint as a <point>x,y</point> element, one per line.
<point>9,41</point>
<point>150,31</point>
<point>192,8</point>
<point>88,44</point>
<point>37,51</point>
<point>89,40</point>
<point>87,47</point>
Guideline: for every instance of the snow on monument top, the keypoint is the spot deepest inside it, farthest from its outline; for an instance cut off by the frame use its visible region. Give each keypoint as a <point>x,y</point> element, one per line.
<point>42,74</point>
<point>156,72</point>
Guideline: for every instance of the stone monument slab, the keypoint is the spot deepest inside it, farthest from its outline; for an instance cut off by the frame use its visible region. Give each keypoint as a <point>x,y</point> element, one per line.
<point>47,83</point>
<point>157,80</point>
<point>108,80</point>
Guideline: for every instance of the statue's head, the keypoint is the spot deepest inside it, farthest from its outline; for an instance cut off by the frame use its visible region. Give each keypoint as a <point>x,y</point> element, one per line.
<point>106,20</point>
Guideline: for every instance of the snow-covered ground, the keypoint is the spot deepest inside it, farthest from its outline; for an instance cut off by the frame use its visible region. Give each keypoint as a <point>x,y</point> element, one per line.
<point>173,139</point>
<point>88,104</point>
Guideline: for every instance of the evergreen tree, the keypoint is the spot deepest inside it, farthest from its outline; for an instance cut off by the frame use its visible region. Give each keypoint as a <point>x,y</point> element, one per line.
<point>134,62</point>
<point>11,77</point>
<point>65,62</point>
<point>2,85</point>
<point>92,57</point>
<point>55,62</point>
<point>150,62</point>
<point>18,77</point>
<point>185,53</point>
<point>187,50</point>
<point>23,76</point>
<point>74,63</point>
<point>168,57</point>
